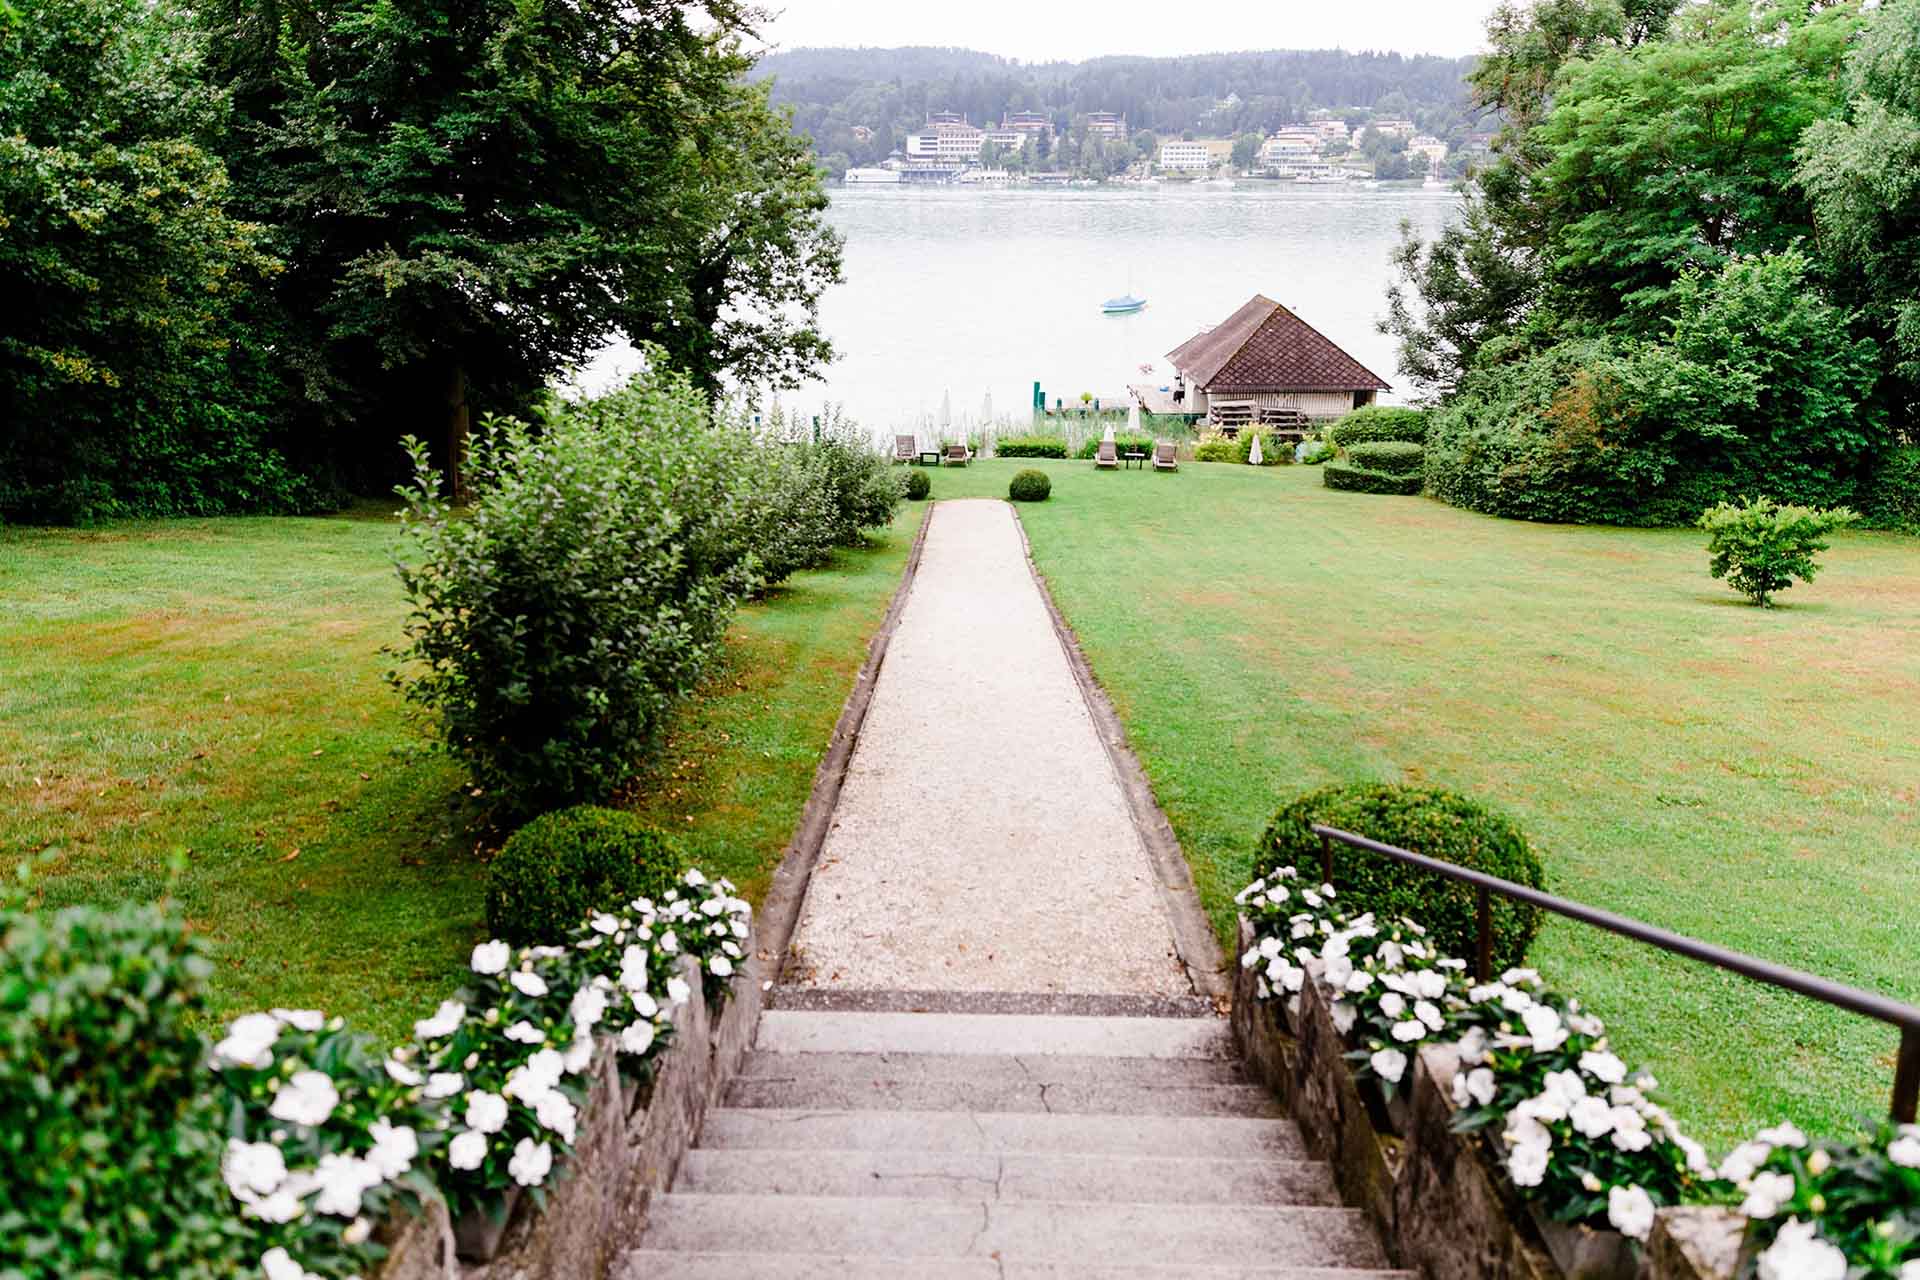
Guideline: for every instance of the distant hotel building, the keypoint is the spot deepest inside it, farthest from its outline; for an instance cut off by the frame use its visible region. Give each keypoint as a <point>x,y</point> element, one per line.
<point>1028,123</point>
<point>1185,156</point>
<point>1106,124</point>
<point>1392,128</point>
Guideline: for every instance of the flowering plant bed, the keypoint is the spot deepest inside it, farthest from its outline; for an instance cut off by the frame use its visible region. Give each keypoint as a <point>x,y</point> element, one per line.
<point>1823,1210</point>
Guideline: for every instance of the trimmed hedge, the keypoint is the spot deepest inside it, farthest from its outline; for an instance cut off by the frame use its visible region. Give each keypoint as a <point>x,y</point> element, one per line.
<point>1890,499</point>
<point>1379,423</point>
<point>1439,824</point>
<point>564,866</point>
<point>1122,444</point>
<point>1344,475</point>
<point>1394,457</point>
<point>1029,486</point>
<point>1030,447</point>
<point>918,486</point>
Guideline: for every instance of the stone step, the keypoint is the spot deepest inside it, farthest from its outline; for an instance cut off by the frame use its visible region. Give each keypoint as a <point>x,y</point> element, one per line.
<point>871,1093</point>
<point>825,1130</point>
<point>1072,1069</point>
<point>1073,1232</point>
<point>648,1264</point>
<point>793,1031</point>
<point>956,1175</point>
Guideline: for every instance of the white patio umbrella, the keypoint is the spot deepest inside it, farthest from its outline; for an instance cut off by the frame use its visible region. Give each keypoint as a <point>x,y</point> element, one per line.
<point>1133,419</point>
<point>1253,455</point>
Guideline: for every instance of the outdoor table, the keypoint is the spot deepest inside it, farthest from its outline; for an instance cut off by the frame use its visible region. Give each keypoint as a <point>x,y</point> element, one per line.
<point>1134,458</point>
<point>929,457</point>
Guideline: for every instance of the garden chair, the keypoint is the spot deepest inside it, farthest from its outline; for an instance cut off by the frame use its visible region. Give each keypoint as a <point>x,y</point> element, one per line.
<point>904,449</point>
<point>1163,459</point>
<point>1108,455</point>
<point>957,455</point>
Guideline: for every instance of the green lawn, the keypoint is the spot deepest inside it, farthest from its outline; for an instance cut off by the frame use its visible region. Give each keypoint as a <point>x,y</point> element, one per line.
<point>1747,776</point>
<point>215,686</point>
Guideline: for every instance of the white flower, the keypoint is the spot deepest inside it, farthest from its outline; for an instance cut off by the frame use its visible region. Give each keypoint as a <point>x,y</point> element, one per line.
<point>277,1264</point>
<point>1630,1210</point>
<point>1250,959</point>
<point>1604,1067</point>
<point>252,1168</point>
<point>1344,1015</point>
<point>1392,955</point>
<point>308,1098</point>
<point>555,1112</point>
<point>633,969</point>
<point>1785,1134</point>
<point>402,1073</point>
<point>444,1084</point>
<point>525,1032</point>
<point>1549,1105</point>
<point>1480,1085</point>
<point>1485,992</point>
<point>604,923</point>
<point>531,1162</point>
<point>282,1206</point>
<point>301,1019</point>
<point>636,1037</point>
<point>1429,1013</point>
<point>1544,1028</point>
<point>342,1179</point>
<point>588,1006</point>
<point>1389,1065</point>
<point>528,984</point>
<point>1527,1164</point>
<point>356,1232</point>
<point>1429,984</point>
<point>491,957</point>
<point>1473,1045</point>
<point>1566,1085</point>
<point>721,967</point>
<point>468,1150</point>
<point>1905,1152</point>
<point>249,1042</point>
<point>1766,1193</point>
<point>669,942</point>
<point>1338,970</point>
<point>1743,1160</point>
<point>1797,1253</point>
<point>1630,1130</point>
<point>1393,1004</point>
<point>645,1005</point>
<point>444,1022</point>
<point>1359,980</point>
<point>486,1112</point>
<point>580,1053</point>
<point>678,990</point>
<point>694,878</point>
<point>1591,1116</point>
<point>1524,1130</point>
<point>394,1147</point>
<point>1410,1030</point>
<point>1910,1270</point>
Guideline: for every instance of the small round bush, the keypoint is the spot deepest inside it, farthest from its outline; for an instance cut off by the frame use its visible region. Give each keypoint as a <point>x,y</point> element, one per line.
<point>562,867</point>
<point>1029,486</point>
<point>1393,457</point>
<point>918,486</point>
<point>1379,422</point>
<point>1438,824</point>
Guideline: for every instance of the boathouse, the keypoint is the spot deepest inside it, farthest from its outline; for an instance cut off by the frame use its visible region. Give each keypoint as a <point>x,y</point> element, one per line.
<point>1265,364</point>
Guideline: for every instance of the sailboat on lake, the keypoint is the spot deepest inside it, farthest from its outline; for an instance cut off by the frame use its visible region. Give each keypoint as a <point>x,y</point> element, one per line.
<point>1124,305</point>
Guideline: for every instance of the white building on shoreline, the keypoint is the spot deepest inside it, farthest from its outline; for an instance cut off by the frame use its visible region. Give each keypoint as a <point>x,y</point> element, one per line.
<point>1185,157</point>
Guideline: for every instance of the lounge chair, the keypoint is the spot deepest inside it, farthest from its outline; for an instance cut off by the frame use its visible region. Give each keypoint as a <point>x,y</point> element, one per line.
<point>904,449</point>
<point>957,455</point>
<point>1108,455</point>
<point>1163,459</point>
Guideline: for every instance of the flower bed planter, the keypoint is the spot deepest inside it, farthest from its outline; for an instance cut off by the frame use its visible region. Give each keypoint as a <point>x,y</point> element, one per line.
<point>1582,1253</point>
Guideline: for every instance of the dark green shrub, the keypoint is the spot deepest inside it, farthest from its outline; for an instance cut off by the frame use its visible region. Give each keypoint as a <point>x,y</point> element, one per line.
<point>1890,499</point>
<point>109,1134</point>
<point>1344,475</point>
<point>918,485</point>
<point>562,867</point>
<point>1377,424</point>
<point>1760,546</point>
<point>1029,486</point>
<point>1440,825</point>
<point>1030,447</point>
<point>1394,457</point>
<point>1122,444</point>
<point>555,622</point>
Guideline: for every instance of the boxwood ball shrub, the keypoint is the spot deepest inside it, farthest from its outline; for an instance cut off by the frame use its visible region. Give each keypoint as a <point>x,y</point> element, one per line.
<point>1393,457</point>
<point>918,486</point>
<point>110,1137</point>
<point>1378,423</point>
<point>1357,479</point>
<point>1438,824</point>
<point>560,868</point>
<point>1029,486</point>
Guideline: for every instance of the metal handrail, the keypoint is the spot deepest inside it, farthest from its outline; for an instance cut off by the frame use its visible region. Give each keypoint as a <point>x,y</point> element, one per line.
<point>1906,1075</point>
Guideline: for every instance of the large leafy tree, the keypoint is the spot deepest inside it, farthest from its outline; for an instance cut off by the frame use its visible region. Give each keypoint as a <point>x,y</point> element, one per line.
<point>122,387</point>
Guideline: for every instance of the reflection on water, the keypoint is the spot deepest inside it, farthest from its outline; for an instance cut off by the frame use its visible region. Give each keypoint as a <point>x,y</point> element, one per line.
<point>954,295</point>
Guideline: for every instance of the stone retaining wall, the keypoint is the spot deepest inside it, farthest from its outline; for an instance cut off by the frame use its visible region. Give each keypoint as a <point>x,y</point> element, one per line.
<point>630,1144</point>
<point>1439,1199</point>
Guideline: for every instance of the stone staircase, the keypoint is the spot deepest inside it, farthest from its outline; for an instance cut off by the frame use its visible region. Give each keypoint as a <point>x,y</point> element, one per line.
<point>952,1146</point>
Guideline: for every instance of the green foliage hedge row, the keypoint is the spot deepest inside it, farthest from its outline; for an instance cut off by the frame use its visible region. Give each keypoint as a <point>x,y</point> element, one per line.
<point>1891,497</point>
<point>1352,479</point>
<point>1379,424</point>
<point>1030,447</point>
<point>1029,486</point>
<point>110,1139</point>
<point>1122,444</point>
<point>1394,457</point>
<point>1438,824</point>
<point>563,866</point>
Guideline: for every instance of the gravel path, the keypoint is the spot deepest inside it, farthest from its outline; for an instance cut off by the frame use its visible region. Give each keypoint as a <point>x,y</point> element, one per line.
<point>981,841</point>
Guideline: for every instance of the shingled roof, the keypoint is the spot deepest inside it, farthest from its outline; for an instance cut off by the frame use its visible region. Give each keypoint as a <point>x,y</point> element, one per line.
<point>1265,347</point>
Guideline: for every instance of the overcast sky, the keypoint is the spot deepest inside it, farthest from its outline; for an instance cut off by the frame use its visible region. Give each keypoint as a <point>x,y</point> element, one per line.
<point>1074,30</point>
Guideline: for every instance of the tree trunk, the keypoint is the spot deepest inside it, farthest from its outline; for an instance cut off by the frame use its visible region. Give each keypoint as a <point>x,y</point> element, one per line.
<point>457,423</point>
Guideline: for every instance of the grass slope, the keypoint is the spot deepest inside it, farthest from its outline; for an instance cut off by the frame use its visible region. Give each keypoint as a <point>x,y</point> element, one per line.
<point>215,686</point>
<point>1743,775</point>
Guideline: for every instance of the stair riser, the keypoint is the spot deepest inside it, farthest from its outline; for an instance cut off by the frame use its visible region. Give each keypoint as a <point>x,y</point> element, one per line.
<point>994,1069</point>
<point>996,1034</point>
<point>735,1266</point>
<point>961,1095</point>
<point>802,1130</point>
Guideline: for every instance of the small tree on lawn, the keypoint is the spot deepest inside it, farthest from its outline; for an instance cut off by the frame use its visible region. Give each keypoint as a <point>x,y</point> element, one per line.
<point>1760,546</point>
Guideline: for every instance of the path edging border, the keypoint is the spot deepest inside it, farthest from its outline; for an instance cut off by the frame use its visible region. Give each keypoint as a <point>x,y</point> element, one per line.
<point>1193,937</point>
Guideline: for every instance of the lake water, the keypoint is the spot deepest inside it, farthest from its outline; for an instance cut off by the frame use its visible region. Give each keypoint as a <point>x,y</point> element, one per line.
<point>953,295</point>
